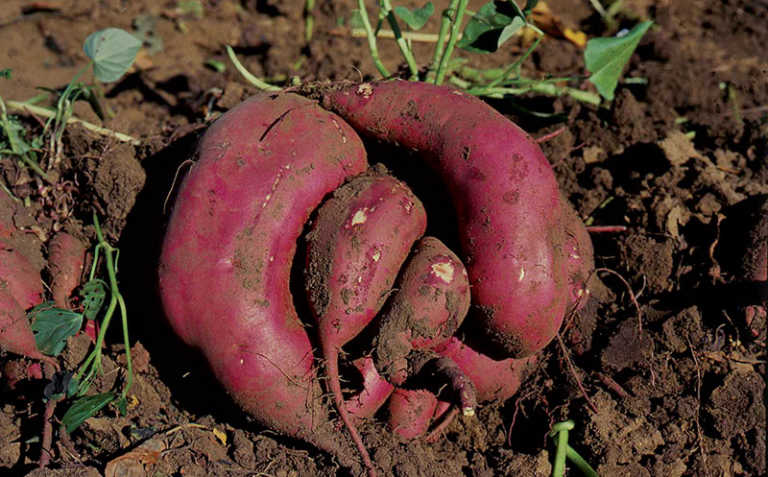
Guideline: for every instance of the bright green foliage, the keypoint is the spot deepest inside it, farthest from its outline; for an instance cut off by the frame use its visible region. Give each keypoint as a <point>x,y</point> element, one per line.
<point>605,58</point>
<point>490,27</point>
<point>417,17</point>
<point>112,51</point>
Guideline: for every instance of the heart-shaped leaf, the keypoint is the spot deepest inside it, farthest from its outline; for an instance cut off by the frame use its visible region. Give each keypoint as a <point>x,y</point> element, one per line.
<point>112,51</point>
<point>52,326</point>
<point>417,17</point>
<point>605,58</point>
<point>492,25</point>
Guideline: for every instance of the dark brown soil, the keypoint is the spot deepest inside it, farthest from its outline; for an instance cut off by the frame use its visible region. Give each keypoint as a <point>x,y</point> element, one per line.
<point>668,379</point>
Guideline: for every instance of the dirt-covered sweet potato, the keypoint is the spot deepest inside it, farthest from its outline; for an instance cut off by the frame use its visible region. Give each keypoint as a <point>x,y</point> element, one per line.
<point>225,267</point>
<point>360,239</point>
<point>512,223</point>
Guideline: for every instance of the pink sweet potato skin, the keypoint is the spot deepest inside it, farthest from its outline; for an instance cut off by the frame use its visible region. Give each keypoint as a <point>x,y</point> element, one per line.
<point>580,257</point>
<point>493,380</point>
<point>503,190</point>
<point>15,333</point>
<point>66,258</point>
<point>430,302</point>
<point>224,272</point>
<point>376,391</point>
<point>361,237</point>
<point>19,277</point>
<point>410,412</point>
<point>20,289</point>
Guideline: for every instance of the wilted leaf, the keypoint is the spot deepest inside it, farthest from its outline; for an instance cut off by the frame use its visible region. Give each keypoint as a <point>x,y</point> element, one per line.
<point>417,17</point>
<point>112,51</point>
<point>220,435</point>
<point>605,58</point>
<point>545,19</point>
<point>61,385</point>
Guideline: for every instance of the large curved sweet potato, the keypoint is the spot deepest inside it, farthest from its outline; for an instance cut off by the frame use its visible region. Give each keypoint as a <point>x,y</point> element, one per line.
<point>225,265</point>
<point>511,219</point>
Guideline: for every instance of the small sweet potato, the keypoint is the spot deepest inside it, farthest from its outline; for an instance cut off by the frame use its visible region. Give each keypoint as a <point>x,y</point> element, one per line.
<point>361,237</point>
<point>410,412</point>
<point>66,258</point>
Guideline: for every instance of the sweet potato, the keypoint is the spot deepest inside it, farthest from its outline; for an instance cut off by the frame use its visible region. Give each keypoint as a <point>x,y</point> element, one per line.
<point>15,333</point>
<point>580,256</point>
<point>376,391</point>
<point>225,264</point>
<point>744,251</point>
<point>511,220</point>
<point>360,239</point>
<point>493,380</point>
<point>66,258</point>
<point>430,303</point>
<point>20,289</point>
<point>410,412</point>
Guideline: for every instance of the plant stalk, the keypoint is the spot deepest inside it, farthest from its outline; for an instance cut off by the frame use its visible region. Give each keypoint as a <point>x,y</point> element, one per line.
<point>383,71</point>
<point>47,113</point>
<point>405,49</point>
<point>452,38</point>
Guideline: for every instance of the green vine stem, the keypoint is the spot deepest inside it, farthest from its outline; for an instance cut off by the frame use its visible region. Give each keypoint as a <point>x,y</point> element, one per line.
<point>92,363</point>
<point>452,38</point>
<point>48,113</point>
<point>560,434</point>
<point>374,49</point>
<point>309,22</point>
<point>515,67</point>
<point>247,74</point>
<point>445,24</point>
<point>401,43</point>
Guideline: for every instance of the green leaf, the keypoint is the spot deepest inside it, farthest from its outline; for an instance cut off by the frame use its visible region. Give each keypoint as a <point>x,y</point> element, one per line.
<point>14,131</point>
<point>492,25</point>
<point>417,17</point>
<point>5,73</point>
<point>605,58</point>
<point>52,326</point>
<point>93,293</point>
<point>112,51</point>
<point>84,408</point>
<point>509,31</point>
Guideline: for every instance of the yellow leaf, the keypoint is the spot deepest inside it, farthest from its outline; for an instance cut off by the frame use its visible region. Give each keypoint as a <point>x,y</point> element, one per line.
<point>578,38</point>
<point>221,436</point>
<point>133,401</point>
